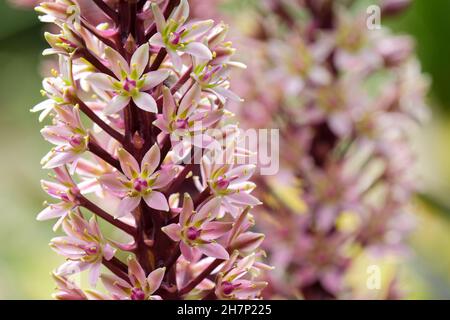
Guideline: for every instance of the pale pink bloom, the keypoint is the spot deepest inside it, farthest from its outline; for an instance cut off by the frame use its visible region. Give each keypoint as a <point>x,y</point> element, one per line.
<point>229,183</point>
<point>131,82</point>
<point>66,289</point>
<point>64,43</point>
<point>231,283</point>
<point>198,231</point>
<point>177,37</point>
<point>65,190</point>
<point>57,89</point>
<point>59,12</point>
<point>139,182</point>
<point>214,79</point>
<point>83,246</point>
<point>187,120</point>
<point>140,287</point>
<point>69,136</point>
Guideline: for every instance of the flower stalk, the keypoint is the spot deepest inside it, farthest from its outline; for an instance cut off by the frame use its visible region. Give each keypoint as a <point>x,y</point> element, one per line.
<point>126,67</point>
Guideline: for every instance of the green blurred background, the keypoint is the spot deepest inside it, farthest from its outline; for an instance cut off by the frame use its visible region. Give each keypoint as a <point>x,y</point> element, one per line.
<point>25,258</point>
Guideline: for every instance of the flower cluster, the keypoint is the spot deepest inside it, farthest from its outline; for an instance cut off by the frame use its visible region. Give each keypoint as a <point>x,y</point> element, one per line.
<point>345,99</point>
<point>139,96</point>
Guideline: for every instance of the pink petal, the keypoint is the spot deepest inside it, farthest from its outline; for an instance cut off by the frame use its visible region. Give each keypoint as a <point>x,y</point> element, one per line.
<point>101,81</point>
<point>188,208</point>
<point>169,105</point>
<point>175,59</point>
<point>127,205</point>
<point>243,173</point>
<point>154,78</point>
<point>139,60</point>
<point>248,242</point>
<point>60,158</point>
<point>112,181</point>
<point>108,252</point>
<point>155,278</point>
<point>128,164</point>
<point>136,273</point>
<point>187,251</point>
<point>145,102</point>
<point>173,231</point>
<point>208,211</point>
<point>244,198</point>
<point>117,62</point>
<point>94,273</point>
<point>156,200</point>
<point>198,50</point>
<point>214,230</point>
<point>159,20</point>
<point>151,160</point>
<point>189,101</point>
<point>117,104</point>
<point>53,211</point>
<point>214,250</point>
<point>181,13</point>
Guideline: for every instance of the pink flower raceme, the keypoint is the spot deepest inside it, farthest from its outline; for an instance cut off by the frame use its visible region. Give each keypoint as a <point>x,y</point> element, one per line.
<point>136,106</point>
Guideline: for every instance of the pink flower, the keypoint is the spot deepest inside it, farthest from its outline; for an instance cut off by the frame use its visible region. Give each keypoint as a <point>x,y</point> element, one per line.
<point>177,37</point>
<point>232,285</point>
<point>67,290</point>
<point>69,136</point>
<point>132,83</point>
<point>187,120</point>
<point>139,182</point>
<point>65,190</point>
<point>197,231</point>
<point>84,247</point>
<point>140,287</point>
<point>229,183</point>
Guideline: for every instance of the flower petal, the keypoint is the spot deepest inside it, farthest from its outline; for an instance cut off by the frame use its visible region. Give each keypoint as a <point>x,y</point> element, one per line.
<point>127,205</point>
<point>151,160</point>
<point>117,62</point>
<point>214,250</point>
<point>128,164</point>
<point>155,278</point>
<point>190,101</point>
<point>136,273</point>
<point>145,102</point>
<point>101,81</point>
<point>156,200</point>
<point>188,208</point>
<point>173,231</point>
<point>198,50</point>
<point>154,78</point>
<point>117,103</point>
<point>187,251</point>
<point>139,60</point>
<point>169,105</point>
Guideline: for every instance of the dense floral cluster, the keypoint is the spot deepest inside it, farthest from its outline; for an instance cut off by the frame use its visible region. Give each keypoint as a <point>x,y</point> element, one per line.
<point>138,212</point>
<point>346,99</point>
